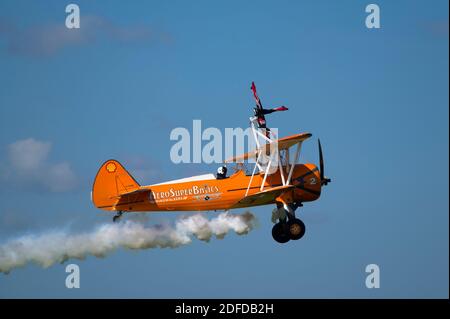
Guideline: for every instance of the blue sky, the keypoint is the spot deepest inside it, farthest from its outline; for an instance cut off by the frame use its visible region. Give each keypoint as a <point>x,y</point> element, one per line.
<point>378,99</point>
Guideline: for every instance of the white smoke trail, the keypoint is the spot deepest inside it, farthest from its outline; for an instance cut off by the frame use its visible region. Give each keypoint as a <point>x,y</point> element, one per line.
<point>59,246</point>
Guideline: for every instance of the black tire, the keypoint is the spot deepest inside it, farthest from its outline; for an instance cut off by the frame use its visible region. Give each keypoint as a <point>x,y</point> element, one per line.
<point>296,229</point>
<point>116,219</point>
<point>280,233</point>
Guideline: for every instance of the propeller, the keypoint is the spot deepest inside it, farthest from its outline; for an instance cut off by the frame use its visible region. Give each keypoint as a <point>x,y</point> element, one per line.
<point>323,179</point>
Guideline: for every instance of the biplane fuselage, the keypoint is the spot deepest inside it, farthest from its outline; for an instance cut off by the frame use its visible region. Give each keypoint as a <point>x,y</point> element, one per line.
<point>205,192</point>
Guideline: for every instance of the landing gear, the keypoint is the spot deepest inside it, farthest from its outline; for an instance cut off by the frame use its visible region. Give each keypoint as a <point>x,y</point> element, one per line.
<point>296,229</point>
<point>117,216</point>
<point>289,227</point>
<point>280,233</point>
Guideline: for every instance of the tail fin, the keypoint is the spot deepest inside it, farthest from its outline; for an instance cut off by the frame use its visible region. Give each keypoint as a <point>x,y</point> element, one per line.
<point>111,181</point>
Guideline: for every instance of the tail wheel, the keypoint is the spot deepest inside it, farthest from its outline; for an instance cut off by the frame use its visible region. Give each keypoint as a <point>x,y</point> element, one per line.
<point>296,229</point>
<point>117,216</point>
<point>280,233</point>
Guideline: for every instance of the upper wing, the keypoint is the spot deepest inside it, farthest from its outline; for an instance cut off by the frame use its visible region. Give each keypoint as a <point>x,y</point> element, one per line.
<point>286,142</point>
<point>243,157</point>
<point>283,143</point>
<point>262,198</point>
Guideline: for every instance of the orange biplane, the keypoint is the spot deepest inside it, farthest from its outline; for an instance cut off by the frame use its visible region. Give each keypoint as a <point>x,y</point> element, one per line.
<point>277,178</point>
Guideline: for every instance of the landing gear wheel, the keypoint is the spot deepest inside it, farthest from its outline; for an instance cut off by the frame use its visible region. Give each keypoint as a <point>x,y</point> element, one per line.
<point>296,229</point>
<point>280,233</point>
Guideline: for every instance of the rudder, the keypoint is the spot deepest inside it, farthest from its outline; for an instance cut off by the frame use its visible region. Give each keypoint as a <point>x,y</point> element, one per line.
<point>112,180</point>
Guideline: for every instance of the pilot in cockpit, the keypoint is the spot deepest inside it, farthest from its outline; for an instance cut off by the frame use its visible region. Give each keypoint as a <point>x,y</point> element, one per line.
<point>221,172</point>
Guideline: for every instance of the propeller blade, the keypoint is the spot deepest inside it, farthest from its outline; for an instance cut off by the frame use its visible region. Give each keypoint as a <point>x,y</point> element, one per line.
<point>322,173</point>
<point>323,179</point>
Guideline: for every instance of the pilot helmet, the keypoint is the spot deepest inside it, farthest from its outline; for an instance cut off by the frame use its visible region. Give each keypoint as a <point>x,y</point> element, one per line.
<point>222,170</point>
